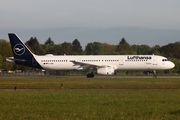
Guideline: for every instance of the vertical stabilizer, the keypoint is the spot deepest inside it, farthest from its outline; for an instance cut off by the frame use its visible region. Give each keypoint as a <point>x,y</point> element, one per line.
<point>22,55</point>
<point>19,49</point>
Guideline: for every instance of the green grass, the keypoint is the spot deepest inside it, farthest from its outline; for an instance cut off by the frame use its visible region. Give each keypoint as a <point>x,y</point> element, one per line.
<point>95,83</point>
<point>89,99</point>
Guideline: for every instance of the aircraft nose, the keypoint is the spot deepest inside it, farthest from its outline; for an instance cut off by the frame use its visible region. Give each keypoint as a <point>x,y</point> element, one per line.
<point>171,65</point>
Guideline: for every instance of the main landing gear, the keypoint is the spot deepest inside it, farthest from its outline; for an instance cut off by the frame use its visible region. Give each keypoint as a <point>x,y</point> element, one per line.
<point>90,75</point>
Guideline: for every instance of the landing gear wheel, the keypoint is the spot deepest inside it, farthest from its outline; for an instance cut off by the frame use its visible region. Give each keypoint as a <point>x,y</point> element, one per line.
<point>155,76</point>
<point>90,75</point>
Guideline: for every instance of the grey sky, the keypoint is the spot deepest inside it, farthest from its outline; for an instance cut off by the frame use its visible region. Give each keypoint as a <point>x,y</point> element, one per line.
<point>47,18</point>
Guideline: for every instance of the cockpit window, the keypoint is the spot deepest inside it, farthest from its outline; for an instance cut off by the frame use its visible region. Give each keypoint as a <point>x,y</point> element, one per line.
<point>164,59</point>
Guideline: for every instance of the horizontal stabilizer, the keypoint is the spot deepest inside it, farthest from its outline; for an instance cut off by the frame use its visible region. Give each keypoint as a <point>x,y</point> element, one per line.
<point>11,59</point>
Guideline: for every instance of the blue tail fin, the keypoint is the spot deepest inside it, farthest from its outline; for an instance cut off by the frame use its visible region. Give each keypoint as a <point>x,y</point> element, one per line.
<point>22,55</point>
<point>19,49</point>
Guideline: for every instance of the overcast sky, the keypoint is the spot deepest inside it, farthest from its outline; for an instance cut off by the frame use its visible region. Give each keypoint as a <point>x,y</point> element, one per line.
<point>139,21</point>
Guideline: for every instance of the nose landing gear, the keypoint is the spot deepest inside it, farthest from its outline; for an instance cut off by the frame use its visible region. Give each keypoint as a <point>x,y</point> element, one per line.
<point>154,74</point>
<point>151,71</point>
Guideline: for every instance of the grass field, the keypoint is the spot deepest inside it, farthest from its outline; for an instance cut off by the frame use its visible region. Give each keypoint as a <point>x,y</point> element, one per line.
<point>90,99</point>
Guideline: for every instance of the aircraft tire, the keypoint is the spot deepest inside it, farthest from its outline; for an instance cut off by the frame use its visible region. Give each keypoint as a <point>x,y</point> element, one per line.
<point>90,75</point>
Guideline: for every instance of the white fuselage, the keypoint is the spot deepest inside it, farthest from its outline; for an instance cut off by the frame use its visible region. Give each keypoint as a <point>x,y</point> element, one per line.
<point>118,62</point>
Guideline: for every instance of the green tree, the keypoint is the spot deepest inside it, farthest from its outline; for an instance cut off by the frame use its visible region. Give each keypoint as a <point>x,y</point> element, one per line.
<point>50,49</point>
<point>58,49</point>
<point>155,50</point>
<point>5,51</point>
<point>143,50</point>
<point>67,48</point>
<point>135,48</point>
<point>108,49</point>
<point>176,69</point>
<point>171,50</point>
<point>76,47</point>
<point>43,49</point>
<point>176,50</point>
<point>34,45</point>
<point>5,48</point>
<point>94,48</point>
<point>97,48</point>
<point>123,48</point>
<point>89,49</point>
<point>1,61</point>
<point>49,42</point>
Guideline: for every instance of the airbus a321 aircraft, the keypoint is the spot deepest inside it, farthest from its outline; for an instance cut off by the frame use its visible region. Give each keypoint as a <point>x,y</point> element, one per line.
<point>94,64</point>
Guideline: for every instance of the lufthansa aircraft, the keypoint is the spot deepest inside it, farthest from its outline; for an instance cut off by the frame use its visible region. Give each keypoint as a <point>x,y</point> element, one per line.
<point>95,64</point>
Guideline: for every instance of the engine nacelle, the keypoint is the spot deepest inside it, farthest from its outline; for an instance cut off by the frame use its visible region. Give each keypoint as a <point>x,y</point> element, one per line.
<point>106,70</point>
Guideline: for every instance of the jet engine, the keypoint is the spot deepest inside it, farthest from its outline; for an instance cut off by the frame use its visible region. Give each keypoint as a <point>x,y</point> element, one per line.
<point>108,70</point>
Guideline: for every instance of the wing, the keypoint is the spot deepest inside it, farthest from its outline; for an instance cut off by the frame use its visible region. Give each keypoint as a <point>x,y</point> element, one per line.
<point>84,65</point>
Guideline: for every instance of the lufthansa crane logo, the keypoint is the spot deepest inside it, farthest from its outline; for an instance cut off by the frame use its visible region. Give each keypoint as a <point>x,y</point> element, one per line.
<point>19,49</point>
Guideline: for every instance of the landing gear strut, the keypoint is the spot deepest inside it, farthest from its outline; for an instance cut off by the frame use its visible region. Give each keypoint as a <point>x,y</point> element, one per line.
<point>154,74</point>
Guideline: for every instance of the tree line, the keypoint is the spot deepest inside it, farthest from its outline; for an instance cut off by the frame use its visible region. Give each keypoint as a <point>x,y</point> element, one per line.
<point>171,50</point>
